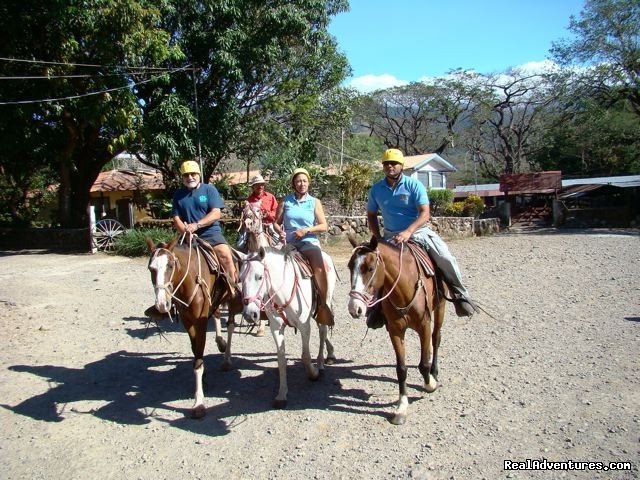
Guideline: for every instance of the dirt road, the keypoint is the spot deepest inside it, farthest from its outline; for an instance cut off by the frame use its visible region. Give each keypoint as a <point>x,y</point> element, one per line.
<point>88,391</point>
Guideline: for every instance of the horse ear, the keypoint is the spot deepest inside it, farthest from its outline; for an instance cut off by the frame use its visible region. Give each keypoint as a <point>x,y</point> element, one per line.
<point>150,244</point>
<point>262,253</point>
<point>373,243</point>
<point>172,244</point>
<point>352,239</point>
<point>238,255</point>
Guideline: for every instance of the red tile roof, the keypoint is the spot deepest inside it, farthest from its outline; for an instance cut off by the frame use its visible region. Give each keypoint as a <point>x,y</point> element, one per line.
<point>125,180</point>
<point>537,182</point>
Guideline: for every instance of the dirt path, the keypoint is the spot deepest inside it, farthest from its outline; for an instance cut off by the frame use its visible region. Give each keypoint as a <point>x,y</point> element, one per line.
<point>87,391</point>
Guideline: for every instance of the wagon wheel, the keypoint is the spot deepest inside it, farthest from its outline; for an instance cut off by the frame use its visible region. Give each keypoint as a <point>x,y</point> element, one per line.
<point>105,234</point>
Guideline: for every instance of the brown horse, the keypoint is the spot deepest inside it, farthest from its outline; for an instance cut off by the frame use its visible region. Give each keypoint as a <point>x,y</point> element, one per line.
<point>181,274</point>
<point>386,274</point>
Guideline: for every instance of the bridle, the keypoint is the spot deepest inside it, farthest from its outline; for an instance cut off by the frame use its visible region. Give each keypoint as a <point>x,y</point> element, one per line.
<point>270,302</point>
<point>168,286</point>
<point>368,298</point>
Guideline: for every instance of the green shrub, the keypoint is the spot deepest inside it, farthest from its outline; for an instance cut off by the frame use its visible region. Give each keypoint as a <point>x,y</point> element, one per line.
<point>473,206</point>
<point>439,200</point>
<point>133,242</point>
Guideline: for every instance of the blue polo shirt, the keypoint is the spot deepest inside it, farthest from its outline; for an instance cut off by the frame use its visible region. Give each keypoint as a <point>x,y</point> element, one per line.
<point>398,205</point>
<point>192,206</point>
<point>299,214</point>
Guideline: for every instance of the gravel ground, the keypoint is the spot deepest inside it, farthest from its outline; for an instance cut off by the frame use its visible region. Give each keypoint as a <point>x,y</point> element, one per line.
<point>89,391</point>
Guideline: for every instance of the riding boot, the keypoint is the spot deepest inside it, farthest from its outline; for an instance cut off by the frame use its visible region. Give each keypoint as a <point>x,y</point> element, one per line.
<point>324,315</point>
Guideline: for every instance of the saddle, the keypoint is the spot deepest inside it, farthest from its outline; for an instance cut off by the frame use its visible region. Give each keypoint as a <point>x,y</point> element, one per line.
<point>375,318</point>
<point>209,255</point>
<point>300,260</point>
<point>424,261</point>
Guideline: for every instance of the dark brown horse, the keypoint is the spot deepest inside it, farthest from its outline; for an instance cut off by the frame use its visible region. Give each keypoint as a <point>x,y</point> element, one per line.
<point>382,273</point>
<point>181,275</point>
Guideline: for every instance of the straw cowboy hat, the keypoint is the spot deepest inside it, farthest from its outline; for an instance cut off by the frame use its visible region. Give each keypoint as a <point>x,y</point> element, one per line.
<point>256,180</point>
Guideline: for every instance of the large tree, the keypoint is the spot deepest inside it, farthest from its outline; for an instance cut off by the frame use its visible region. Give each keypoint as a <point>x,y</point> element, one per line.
<point>420,117</point>
<point>508,121</point>
<point>78,64</point>
<point>262,70</point>
<point>607,42</point>
<point>125,74</point>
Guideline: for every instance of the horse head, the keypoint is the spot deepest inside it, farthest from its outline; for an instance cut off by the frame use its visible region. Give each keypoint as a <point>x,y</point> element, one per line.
<point>163,266</point>
<point>367,276</point>
<point>253,276</point>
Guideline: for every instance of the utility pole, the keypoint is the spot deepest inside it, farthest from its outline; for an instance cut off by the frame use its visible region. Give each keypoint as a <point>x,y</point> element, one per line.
<point>195,95</point>
<point>341,147</point>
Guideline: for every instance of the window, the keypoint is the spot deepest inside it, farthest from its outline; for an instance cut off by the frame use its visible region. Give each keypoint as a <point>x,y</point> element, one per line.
<point>423,178</point>
<point>437,180</point>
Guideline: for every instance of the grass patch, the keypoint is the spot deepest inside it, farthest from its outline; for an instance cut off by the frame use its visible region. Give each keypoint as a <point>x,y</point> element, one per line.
<point>133,242</point>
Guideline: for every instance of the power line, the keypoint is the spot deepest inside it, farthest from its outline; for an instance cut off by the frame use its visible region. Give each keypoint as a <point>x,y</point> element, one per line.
<point>44,62</point>
<point>338,151</point>
<point>52,77</point>
<point>71,97</point>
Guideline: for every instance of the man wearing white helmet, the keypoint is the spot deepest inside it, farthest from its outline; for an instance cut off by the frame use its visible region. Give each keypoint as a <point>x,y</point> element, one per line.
<point>196,209</point>
<point>404,205</point>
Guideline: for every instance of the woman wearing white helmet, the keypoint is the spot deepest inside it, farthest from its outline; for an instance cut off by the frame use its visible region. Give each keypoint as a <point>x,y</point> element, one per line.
<point>302,217</point>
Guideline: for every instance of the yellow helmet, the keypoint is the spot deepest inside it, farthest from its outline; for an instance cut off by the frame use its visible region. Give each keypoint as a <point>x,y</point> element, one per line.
<point>393,155</point>
<point>300,170</point>
<point>190,167</point>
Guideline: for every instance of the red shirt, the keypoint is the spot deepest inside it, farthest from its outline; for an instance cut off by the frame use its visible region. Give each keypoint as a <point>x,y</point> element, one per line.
<point>268,205</point>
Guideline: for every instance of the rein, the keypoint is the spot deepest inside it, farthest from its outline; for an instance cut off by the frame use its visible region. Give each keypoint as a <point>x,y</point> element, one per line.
<point>367,298</point>
<point>271,300</point>
<point>168,286</point>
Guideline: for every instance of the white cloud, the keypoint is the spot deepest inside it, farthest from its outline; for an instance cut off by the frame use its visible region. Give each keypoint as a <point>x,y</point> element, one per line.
<point>531,68</point>
<point>369,83</point>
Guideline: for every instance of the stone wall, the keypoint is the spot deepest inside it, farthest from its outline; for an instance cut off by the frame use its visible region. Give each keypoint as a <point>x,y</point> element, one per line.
<point>446,227</point>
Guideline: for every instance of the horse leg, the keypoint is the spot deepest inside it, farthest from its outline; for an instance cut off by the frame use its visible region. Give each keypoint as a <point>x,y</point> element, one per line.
<point>438,321</point>
<point>197,334</point>
<point>331,356</point>
<point>260,331</point>
<point>231,325</point>
<point>426,355</point>
<point>277,330</point>
<point>305,335</point>
<point>397,340</point>
<point>220,341</point>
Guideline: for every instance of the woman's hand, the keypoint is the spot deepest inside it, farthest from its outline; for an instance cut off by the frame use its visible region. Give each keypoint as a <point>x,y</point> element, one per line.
<point>301,232</point>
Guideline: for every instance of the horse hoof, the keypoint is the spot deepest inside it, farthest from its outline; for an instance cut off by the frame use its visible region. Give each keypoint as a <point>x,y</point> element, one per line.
<point>260,332</point>
<point>198,412</point>
<point>222,344</point>
<point>226,366</point>
<point>432,386</point>
<point>330,360</point>
<point>279,404</point>
<point>398,419</point>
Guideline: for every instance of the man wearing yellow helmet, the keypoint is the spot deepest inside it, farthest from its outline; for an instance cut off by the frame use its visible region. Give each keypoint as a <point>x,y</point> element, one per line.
<point>404,205</point>
<point>196,210</point>
<point>302,218</point>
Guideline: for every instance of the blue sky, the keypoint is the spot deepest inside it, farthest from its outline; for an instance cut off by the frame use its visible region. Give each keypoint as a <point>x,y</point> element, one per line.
<point>392,42</point>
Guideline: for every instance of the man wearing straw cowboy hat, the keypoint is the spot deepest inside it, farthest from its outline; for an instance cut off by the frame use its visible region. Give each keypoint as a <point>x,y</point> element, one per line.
<point>268,203</point>
<point>404,205</point>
